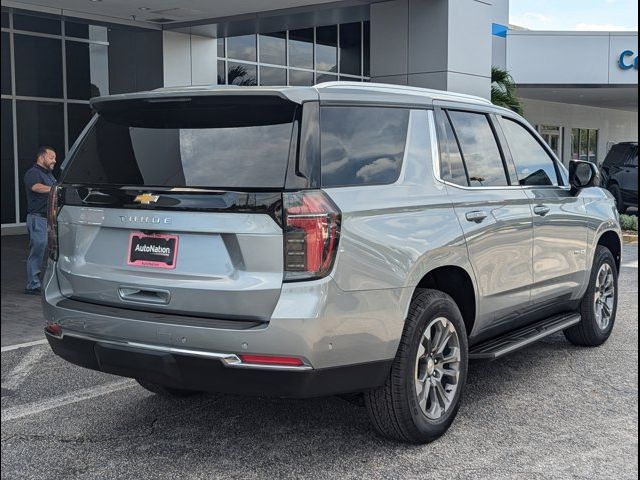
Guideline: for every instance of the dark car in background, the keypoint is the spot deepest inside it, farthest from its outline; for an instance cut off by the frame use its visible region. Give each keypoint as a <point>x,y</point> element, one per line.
<point>620,172</point>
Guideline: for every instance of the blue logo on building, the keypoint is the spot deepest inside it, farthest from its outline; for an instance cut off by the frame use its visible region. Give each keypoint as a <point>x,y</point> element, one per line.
<point>626,60</point>
<point>499,30</point>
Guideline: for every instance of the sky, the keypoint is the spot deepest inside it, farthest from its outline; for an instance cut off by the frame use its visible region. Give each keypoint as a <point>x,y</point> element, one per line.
<point>606,15</point>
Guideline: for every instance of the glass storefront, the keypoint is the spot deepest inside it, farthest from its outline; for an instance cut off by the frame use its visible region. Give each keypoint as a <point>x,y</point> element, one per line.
<point>296,57</point>
<point>50,69</point>
<point>584,144</point>
<point>53,65</point>
<point>552,135</point>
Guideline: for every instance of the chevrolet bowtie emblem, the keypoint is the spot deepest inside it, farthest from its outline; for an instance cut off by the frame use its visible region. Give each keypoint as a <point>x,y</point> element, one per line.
<point>146,198</point>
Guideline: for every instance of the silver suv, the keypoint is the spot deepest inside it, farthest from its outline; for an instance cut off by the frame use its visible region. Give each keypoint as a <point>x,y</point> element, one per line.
<point>341,239</point>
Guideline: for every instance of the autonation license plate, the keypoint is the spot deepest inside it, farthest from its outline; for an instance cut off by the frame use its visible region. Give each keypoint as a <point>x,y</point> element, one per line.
<point>158,251</point>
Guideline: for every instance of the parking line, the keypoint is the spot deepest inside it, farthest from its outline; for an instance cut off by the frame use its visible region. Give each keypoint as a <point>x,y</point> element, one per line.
<point>8,348</point>
<point>21,411</point>
<point>633,264</point>
<point>21,371</point>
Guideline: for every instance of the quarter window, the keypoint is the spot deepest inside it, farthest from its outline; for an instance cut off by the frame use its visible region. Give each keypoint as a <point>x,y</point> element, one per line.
<point>362,145</point>
<point>451,166</point>
<point>479,149</point>
<point>534,166</point>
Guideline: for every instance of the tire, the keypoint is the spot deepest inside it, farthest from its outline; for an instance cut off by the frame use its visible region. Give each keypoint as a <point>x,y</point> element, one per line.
<point>614,189</point>
<point>168,392</point>
<point>394,408</point>
<point>593,330</point>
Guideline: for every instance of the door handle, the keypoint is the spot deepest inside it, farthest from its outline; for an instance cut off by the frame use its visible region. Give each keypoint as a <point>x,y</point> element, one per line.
<point>541,210</point>
<point>476,216</point>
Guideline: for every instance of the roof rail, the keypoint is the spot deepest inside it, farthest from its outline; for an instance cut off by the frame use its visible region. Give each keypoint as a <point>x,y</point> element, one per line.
<point>427,92</point>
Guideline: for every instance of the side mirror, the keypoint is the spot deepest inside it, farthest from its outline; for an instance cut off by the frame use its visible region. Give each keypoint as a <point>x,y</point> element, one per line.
<point>583,175</point>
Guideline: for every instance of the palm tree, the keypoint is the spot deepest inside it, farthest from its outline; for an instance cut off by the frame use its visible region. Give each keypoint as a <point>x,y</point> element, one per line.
<point>503,90</point>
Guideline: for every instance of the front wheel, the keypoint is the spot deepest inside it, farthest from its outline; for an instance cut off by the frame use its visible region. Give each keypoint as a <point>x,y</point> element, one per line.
<point>421,395</point>
<point>599,305</point>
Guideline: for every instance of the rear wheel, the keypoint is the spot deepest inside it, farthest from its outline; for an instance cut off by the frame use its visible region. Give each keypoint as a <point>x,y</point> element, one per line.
<point>421,396</point>
<point>599,304</point>
<point>166,391</point>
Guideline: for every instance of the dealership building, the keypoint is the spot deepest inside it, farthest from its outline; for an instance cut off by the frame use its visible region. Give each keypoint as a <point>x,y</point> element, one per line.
<point>578,88</point>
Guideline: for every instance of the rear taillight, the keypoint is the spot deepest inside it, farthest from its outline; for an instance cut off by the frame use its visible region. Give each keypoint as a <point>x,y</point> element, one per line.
<point>311,234</point>
<point>52,222</point>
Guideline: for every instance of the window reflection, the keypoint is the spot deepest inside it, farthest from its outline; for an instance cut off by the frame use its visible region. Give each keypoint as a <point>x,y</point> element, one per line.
<point>362,145</point>
<point>273,48</point>
<point>242,48</point>
<point>479,149</point>
<point>350,48</point>
<point>533,164</point>
<point>222,76</point>
<point>273,76</point>
<point>451,166</point>
<point>320,54</point>
<point>326,48</point>
<point>325,77</point>
<point>366,34</point>
<point>6,64</point>
<point>301,48</point>
<point>96,33</point>
<point>300,78</point>
<point>8,203</point>
<point>37,23</point>
<point>87,70</point>
<point>78,115</point>
<point>241,74</point>
<point>38,63</point>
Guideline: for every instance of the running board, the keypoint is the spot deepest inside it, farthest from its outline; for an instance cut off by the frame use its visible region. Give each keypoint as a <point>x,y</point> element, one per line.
<point>496,348</point>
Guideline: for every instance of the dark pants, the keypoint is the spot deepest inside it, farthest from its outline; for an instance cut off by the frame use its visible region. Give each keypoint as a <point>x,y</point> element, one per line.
<point>37,227</point>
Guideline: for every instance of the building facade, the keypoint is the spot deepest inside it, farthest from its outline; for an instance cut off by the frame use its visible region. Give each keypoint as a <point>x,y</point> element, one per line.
<point>55,57</point>
<point>579,88</point>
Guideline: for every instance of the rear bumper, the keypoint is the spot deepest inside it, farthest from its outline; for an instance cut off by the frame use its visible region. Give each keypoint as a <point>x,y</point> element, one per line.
<point>346,341</point>
<point>207,373</point>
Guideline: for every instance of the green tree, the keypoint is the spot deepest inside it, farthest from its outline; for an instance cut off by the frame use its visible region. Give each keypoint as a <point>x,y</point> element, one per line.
<point>503,90</point>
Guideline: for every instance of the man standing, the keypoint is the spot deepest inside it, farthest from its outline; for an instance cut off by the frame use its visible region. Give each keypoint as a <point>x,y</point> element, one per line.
<point>38,181</point>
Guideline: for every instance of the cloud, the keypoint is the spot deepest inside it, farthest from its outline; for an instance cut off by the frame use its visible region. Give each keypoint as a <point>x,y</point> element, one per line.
<point>601,27</point>
<point>532,20</point>
<point>538,17</point>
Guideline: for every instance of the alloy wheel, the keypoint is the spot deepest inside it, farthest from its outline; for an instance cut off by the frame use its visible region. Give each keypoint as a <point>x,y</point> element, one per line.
<point>437,368</point>
<point>604,296</point>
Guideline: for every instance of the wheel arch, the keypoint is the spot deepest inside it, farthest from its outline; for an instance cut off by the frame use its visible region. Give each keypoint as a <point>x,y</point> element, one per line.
<point>611,240</point>
<point>458,284</point>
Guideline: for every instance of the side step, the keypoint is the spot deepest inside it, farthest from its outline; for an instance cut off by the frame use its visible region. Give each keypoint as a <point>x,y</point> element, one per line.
<point>497,347</point>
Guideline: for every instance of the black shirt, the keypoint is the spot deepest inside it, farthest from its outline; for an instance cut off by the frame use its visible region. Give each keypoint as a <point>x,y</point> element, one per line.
<point>37,202</point>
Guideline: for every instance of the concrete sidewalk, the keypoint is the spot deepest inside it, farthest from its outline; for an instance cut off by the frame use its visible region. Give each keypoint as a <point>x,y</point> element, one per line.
<point>22,319</point>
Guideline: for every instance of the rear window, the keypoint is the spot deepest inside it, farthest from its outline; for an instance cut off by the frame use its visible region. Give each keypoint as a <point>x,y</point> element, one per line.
<point>186,144</point>
<point>362,145</point>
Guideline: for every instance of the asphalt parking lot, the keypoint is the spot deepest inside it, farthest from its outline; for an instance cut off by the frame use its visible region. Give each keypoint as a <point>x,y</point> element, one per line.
<point>551,410</point>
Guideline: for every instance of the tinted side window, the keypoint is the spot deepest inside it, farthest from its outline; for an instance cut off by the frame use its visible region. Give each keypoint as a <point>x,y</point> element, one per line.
<point>616,156</point>
<point>362,145</point>
<point>479,149</point>
<point>533,164</point>
<point>451,166</point>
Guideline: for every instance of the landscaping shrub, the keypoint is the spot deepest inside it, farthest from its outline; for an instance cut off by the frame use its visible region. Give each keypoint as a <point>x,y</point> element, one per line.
<point>629,222</point>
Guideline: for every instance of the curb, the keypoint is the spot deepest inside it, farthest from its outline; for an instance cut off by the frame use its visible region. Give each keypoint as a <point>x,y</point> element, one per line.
<point>629,238</point>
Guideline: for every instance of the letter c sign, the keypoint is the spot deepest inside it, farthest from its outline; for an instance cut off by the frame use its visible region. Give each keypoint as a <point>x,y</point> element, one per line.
<point>622,60</point>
